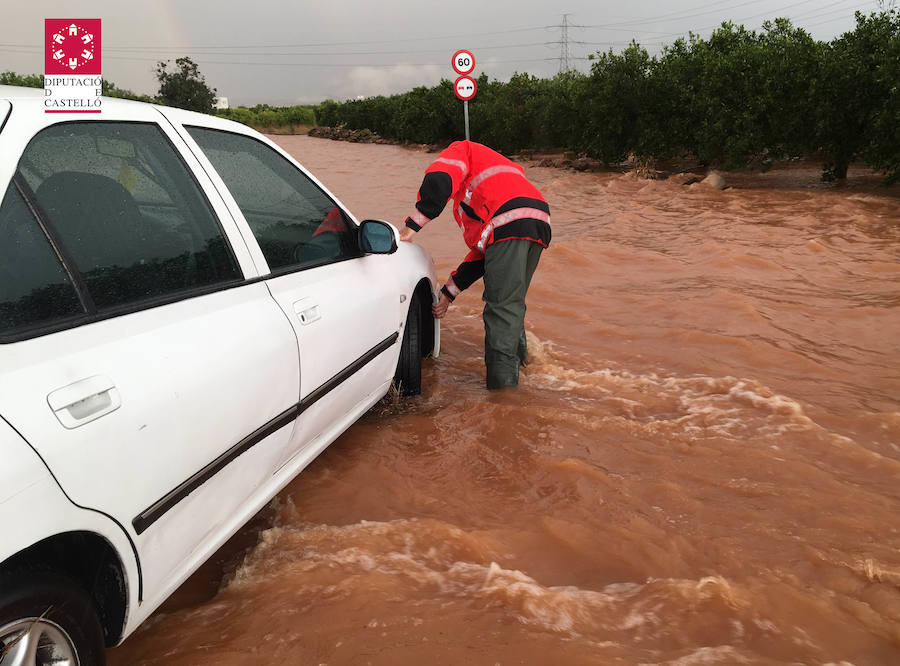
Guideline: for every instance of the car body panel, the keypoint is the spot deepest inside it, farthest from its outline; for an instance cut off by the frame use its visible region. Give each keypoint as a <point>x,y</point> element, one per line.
<point>183,377</point>
<point>181,408</point>
<point>326,304</point>
<point>323,304</point>
<point>351,326</point>
<point>414,258</point>
<point>25,484</point>
<point>216,400</point>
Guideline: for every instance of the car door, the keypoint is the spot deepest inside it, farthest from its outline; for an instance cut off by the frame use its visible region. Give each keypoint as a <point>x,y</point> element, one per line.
<point>156,382</point>
<point>343,306</point>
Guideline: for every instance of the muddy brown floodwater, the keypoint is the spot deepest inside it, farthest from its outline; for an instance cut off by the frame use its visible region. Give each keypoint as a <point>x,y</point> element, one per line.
<point>701,465</point>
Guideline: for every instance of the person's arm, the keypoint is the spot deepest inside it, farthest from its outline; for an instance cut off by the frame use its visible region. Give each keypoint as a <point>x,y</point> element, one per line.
<point>442,178</point>
<point>469,271</point>
<point>434,193</point>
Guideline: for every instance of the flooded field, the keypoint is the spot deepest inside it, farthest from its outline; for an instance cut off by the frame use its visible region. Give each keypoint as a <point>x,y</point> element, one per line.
<point>701,465</point>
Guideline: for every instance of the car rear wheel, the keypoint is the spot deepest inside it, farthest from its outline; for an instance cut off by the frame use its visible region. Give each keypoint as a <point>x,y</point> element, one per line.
<point>409,368</point>
<point>46,620</point>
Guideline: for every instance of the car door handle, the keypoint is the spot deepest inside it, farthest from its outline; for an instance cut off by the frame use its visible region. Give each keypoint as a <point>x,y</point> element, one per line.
<point>84,401</point>
<point>307,311</point>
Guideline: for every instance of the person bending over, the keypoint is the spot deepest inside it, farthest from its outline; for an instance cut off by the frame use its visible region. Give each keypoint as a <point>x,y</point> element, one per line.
<point>505,222</point>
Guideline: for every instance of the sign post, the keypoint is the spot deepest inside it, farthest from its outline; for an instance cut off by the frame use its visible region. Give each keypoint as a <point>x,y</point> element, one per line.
<point>466,116</point>
<point>463,63</point>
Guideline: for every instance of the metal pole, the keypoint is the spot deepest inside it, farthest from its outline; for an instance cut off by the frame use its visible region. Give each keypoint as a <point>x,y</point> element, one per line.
<point>466,113</point>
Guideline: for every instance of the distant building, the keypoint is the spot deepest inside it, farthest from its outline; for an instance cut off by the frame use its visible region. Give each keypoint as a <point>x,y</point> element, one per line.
<point>221,102</point>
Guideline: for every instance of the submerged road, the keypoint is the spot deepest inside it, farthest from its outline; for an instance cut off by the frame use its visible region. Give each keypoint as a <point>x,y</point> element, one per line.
<point>702,465</point>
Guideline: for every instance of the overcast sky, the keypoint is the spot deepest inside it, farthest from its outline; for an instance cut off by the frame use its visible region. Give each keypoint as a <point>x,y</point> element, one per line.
<point>297,52</point>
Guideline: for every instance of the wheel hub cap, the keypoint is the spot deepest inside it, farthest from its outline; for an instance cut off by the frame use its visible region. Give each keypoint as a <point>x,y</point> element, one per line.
<point>36,642</point>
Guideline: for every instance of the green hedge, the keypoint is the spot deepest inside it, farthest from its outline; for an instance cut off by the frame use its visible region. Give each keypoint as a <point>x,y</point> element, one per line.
<point>272,117</point>
<point>738,98</point>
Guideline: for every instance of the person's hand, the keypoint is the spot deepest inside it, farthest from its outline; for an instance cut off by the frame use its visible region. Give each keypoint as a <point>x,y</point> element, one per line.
<point>406,234</point>
<point>439,309</point>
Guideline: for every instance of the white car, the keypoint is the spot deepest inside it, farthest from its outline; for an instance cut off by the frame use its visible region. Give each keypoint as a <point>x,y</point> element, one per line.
<point>187,319</point>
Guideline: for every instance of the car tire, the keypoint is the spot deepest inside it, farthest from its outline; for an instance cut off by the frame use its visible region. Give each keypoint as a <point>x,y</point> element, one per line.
<point>408,377</point>
<point>51,610</point>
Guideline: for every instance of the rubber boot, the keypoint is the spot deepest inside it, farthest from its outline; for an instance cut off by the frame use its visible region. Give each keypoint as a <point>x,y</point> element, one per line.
<point>522,351</point>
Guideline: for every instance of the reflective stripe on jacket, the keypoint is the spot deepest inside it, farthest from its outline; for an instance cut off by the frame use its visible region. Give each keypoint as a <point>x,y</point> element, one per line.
<point>492,202</point>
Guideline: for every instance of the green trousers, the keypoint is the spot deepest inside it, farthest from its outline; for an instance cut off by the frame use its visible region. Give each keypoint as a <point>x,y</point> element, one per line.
<point>508,267</point>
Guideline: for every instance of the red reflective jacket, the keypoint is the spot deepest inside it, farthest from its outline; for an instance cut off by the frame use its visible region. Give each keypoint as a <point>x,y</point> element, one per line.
<point>492,202</point>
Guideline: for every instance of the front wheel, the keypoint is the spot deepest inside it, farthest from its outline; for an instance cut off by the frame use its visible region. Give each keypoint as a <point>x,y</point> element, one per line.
<point>408,377</point>
<point>47,620</point>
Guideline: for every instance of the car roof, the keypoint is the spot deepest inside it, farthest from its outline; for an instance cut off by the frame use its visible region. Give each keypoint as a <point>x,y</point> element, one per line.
<point>18,92</point>
<point>14,93</point>
<point>111,104</point>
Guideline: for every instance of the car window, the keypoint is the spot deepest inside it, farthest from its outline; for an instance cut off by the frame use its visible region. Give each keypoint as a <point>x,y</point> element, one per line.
<point>127,211</point>
<point>295,223</point>
<point>34,287</point>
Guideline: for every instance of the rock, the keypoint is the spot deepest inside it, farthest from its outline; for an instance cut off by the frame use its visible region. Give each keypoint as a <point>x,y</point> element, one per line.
<point>364,136</point>
<point>715,181</point>
<point>547,162</point>
<point>341,133</point>
<point>583,164</point>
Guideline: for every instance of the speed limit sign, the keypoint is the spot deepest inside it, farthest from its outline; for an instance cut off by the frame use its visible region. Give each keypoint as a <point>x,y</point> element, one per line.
<point>464,87</point>
<point>463,62</point>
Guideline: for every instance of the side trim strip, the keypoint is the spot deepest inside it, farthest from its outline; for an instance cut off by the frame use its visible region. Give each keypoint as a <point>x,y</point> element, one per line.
<point>345,374</point>
<point>159,508</point>
<point>156,511</point>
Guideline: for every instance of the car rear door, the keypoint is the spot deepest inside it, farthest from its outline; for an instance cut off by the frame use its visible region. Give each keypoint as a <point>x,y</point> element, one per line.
<point>158,384</point>
<point>344,307</point>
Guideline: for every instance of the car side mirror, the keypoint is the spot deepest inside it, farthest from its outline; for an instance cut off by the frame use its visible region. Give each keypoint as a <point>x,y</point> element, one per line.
<point>377,237</point>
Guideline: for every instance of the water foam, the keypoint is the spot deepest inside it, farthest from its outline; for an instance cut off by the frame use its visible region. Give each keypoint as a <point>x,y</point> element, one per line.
<point>404,557</point>
<point>700,406</point>
<point>720,654</point>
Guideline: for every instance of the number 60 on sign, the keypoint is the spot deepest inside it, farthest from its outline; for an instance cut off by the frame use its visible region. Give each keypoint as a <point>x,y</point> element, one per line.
<point>463,62</point>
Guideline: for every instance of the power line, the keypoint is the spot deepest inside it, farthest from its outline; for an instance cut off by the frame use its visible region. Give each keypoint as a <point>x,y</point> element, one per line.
<point>796,4</point>
<point>220,47</point>
<point>682,15</point>
<point>679,15</point>
<point>818,11</point>
<point>826,21</point>
<point>37,49</point>
<point>743,19</point>
<point>205,62</point>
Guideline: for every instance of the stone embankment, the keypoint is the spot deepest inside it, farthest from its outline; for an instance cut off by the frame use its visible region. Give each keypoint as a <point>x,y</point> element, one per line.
<point>642,168</point>
<point>341,133</point>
